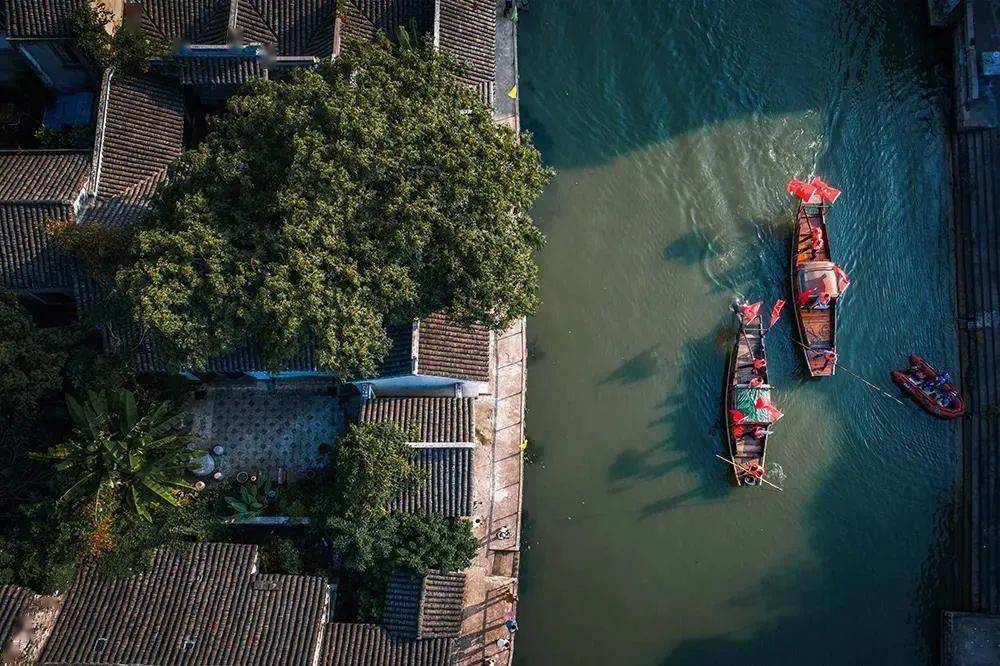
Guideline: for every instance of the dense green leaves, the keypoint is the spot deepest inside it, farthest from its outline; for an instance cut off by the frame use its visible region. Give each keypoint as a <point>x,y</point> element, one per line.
<point>31,360</point>
<point>126,47</point>
<point>371,190</point>
<point>116,460</point>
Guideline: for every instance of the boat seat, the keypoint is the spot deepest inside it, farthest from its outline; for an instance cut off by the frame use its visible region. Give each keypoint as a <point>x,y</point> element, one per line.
<point>818,275</point>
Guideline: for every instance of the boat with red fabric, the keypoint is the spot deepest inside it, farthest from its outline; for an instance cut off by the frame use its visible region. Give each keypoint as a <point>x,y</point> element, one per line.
<point>932,390</point>
<point>748,413</point>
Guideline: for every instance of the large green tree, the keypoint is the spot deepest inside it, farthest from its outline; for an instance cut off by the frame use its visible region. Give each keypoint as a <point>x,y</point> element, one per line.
<point>31,360</point>
<point>371,190</point>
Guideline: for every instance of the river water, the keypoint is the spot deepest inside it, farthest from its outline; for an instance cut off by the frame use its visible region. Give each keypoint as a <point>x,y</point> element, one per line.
<point>674,127</point>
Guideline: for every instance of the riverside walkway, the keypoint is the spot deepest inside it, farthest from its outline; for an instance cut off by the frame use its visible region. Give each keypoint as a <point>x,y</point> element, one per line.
<point>491,580</point>
<point>976,201</point>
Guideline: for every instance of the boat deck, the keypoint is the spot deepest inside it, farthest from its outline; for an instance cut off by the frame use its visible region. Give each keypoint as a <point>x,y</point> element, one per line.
<point>816,327</point>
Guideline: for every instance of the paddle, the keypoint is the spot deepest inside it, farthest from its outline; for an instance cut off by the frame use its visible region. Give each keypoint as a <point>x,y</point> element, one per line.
<point>840,365</point>
<point>744,469</point>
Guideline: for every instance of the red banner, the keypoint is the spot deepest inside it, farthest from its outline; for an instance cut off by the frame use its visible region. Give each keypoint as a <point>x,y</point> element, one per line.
<point>828,192</point>
<point>776,312</point>
<point>800,189</point>
<point>749,312</point>
<point>736,415</point>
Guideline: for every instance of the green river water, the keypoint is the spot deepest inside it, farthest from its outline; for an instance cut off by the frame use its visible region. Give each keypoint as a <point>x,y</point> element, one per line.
<point>674,127</point>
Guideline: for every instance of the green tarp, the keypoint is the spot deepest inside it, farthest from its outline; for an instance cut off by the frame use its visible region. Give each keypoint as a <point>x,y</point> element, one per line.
<point>745,399</point>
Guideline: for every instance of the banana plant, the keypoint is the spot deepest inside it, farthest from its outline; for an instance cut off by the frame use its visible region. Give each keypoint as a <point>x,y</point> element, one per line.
<point>252,501</point>
<point>116,458</point>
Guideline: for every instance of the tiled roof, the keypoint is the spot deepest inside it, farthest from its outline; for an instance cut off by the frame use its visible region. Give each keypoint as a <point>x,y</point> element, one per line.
<point>348,644</point>
<point>399,359</point>
<point>447,349</point>
<point>448,488</point>
<point>50,176</point>
<point>468,30</point>
<point>427,607</point>
<point>12,599</point>
<point>363,19</point>
<point>29,259</point>
<point>205,605</point>
<point>126,208</point>
<point>441,605</point>
<point>435,419</point>
<point>39,18</point>
<point>219,70</point>
<point>292,27</point>
<point>190,21</point>
<point>140,131</point>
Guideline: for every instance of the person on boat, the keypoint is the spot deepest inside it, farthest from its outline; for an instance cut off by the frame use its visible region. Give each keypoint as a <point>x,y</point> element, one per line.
<point>760,432</point>
<point>816,242</point>
<point>822,301</point>
<point>759,365</point>
<point>756,382</point>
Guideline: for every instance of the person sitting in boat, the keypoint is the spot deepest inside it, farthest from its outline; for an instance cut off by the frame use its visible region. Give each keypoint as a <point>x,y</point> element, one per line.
<point>822,301</point>
<point>759,365</point>
<point>816,241</point>
<point>947,398</point>
<point>756,382</point>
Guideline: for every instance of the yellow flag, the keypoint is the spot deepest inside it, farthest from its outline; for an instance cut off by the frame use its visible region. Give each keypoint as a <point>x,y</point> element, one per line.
<point>512,93</point>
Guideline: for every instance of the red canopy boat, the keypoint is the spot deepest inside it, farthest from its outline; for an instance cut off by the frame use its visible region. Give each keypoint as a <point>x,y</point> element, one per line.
<point>943,401</point>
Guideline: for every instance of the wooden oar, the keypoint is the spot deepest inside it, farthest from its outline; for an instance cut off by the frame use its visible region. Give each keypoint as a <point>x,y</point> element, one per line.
<point>840,365</point>
<point>744,469</point>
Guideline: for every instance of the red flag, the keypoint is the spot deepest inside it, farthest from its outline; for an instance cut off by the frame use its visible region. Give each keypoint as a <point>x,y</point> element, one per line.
<point>769,408</point>
<point>843,282</point>
<point>739,430</point>
<point>749,312</point>
<point>828,192</point>
<point>776,312</point>
<point>799,189</point>
<point>736,415</point>
<point>806,295</point>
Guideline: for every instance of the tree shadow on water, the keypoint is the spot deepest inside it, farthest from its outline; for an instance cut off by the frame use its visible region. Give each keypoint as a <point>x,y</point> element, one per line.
<point>642,366</point>
<point>690,419</point>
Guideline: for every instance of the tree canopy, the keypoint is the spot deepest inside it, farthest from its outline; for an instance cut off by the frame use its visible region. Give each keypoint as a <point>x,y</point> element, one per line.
<point>31,359</point>
<point>371,190</point>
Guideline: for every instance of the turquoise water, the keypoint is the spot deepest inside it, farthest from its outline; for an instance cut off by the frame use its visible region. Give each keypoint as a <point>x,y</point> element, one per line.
<point>674,127</point>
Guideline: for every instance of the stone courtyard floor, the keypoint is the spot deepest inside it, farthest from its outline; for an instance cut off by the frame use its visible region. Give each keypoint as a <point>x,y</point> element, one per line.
<point>265,426</point>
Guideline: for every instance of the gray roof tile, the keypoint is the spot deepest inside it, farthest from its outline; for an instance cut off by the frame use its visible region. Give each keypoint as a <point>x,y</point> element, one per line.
<point>219,69</point>
<point>468,30</point>
<point>448,488</point>
<point>447,349</point>
<point>40,18</point>
<point>12,600</point>
<point>347,644</point>
<point>205,605</point>
<point>140,131</point>
<point>43,176</point>
<point>29,258</point>
<point>424,607</point>
<point>435,419</point>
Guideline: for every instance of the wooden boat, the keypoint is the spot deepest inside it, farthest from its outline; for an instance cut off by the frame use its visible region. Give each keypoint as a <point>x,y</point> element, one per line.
<point>747,437</point>
<point>813,270</point>
<point>914,381</point>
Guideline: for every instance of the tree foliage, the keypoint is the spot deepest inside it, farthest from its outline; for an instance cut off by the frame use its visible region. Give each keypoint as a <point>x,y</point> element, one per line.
<point>371,190</point>
<point>126,47</point>
<point>118,460</point>
<point>31,359</point>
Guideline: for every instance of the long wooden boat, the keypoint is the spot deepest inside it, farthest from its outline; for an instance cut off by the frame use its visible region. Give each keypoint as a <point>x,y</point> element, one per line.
<point>747,437</point>
<point>812,270</point>
<point>944,401</point>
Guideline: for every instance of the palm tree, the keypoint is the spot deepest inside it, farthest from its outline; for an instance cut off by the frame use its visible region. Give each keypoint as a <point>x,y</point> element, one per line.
<point>116,459</point>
